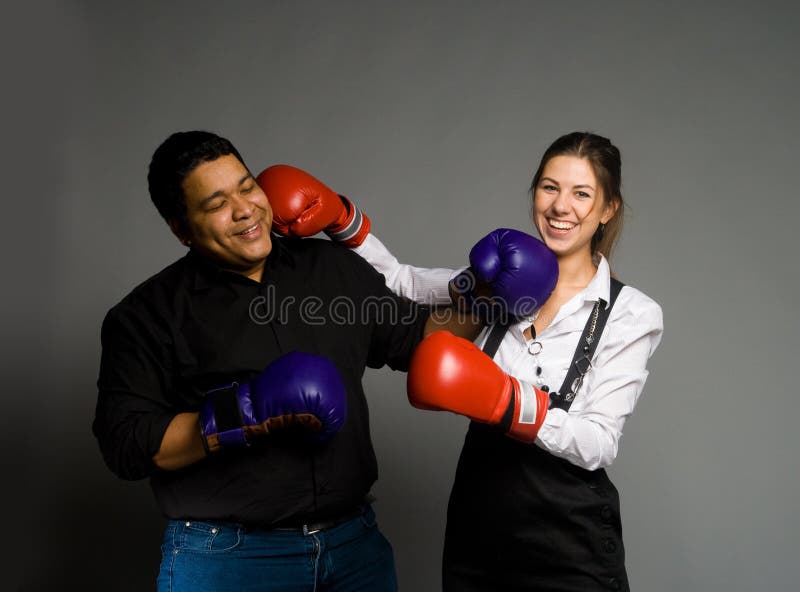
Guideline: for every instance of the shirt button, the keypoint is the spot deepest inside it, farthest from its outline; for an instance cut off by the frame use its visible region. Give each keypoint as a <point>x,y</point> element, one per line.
<point>609,546</point>
<point>605,513</point>
<point>188,524</point>
<point>214,530</point>
<point>613,583</point>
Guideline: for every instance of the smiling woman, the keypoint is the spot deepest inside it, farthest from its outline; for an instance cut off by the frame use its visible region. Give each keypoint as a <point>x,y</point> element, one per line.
<point>579,178</point>
<point>542,514</point>
<point>568,209</point>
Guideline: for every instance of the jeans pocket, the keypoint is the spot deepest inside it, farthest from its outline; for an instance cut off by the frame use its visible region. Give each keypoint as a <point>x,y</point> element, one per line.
<point>207,537</point>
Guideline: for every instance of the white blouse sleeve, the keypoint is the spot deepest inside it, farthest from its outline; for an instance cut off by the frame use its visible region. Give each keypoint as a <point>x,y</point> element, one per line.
<point>589,434</point>
<point>421,284</point>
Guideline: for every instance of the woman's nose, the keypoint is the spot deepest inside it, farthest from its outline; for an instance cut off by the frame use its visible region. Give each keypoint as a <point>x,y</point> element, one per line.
<point>561,202</point>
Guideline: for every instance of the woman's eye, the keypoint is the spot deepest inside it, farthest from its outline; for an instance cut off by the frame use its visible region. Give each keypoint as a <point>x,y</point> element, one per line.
<point>582,194</point>
<point>216,206</point>
<point>549,187</point>
<point>248,189</point>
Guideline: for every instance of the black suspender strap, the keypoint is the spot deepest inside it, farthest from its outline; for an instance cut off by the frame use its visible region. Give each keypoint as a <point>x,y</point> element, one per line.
<point>582,359</point>
<point>496,334</point>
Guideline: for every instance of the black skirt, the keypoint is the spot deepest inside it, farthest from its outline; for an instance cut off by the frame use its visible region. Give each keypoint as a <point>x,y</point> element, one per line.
<point>520,518</point>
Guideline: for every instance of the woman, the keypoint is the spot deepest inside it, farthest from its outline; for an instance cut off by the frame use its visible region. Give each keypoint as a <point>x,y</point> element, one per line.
<point>545,516</point>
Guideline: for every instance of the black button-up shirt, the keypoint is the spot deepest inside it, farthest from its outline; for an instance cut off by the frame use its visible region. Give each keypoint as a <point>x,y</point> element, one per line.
<point>193,327</point>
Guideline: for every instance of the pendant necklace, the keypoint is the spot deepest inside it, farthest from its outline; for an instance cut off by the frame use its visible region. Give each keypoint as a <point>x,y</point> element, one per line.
<point>534,349</point>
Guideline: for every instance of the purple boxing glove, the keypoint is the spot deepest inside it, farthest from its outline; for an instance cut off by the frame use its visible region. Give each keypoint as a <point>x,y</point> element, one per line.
<point>297,389</point>
<point>518,273</point>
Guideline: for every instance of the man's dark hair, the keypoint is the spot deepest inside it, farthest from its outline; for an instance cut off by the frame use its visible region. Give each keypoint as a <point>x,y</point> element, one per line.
<point>173,160</point>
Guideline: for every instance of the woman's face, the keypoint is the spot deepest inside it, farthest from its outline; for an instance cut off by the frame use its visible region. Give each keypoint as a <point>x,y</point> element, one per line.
<point>568,205</point>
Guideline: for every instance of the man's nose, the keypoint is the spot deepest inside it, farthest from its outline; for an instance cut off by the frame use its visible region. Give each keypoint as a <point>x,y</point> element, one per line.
<point>241,207</point>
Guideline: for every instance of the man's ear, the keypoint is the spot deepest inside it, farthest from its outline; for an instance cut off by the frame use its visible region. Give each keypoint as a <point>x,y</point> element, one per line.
<point>180,231</point>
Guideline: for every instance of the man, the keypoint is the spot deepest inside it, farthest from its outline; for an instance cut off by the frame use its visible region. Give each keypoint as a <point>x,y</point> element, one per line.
<point>232,379</point>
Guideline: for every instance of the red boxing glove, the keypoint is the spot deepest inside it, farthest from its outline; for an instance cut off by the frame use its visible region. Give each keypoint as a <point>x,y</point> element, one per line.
<point>449,373</point>
<point>303,206</point>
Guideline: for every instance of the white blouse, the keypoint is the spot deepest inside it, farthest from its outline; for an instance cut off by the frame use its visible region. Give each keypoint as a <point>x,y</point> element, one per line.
<point>588,435</point>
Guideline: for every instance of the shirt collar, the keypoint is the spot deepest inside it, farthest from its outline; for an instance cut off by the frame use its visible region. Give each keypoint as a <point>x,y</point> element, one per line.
<point>208,273</point>
<point>600,286</point>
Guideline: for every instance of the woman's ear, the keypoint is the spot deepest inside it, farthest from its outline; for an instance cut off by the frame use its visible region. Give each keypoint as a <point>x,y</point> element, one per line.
<point>609,210</point>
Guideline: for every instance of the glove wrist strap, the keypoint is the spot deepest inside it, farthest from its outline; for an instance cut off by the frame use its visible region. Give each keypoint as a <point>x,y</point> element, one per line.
<point>221,419</point>
<point>353,229</point>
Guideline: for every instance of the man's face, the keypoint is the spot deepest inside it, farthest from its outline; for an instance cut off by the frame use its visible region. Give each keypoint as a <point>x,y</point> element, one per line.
<point>229,217</point>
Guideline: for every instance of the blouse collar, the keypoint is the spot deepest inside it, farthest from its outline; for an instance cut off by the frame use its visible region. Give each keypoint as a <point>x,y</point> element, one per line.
<point>599,288</point>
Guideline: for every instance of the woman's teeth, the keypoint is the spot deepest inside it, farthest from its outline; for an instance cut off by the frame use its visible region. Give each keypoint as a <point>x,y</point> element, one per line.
<point>561,225</point>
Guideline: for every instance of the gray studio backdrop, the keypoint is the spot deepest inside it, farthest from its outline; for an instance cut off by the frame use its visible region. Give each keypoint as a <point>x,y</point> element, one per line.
<point>432,116</point>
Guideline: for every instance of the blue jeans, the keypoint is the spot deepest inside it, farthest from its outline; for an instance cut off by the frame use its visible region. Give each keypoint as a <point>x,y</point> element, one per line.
<point>221,557</point>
